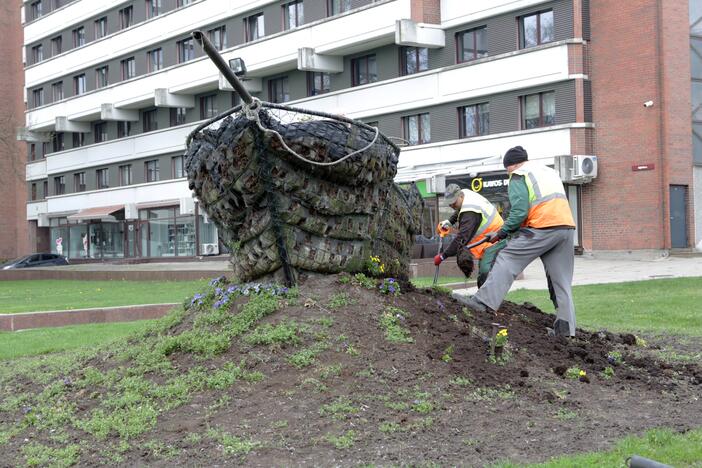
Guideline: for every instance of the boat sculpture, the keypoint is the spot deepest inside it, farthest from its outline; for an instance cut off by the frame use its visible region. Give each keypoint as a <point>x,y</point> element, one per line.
<point>294,191</point>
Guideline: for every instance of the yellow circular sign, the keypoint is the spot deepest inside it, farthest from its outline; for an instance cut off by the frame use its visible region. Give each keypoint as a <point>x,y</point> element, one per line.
<point>477,184</point>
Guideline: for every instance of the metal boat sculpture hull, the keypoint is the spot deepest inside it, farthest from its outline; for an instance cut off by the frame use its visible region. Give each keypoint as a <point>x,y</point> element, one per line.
<point>282,215</point>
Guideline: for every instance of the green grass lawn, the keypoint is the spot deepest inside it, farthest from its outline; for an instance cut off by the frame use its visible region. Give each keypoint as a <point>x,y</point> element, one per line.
<point>427,281</point>
<point>672,306</point>
<point>38,295</point>
<point>51,340</point>
<point>662,445</point>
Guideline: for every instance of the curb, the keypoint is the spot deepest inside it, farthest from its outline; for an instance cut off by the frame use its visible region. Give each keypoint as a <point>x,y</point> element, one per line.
<point>61,318</point>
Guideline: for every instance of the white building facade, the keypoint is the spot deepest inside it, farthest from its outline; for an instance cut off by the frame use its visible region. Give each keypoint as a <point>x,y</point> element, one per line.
<point>113,88</point>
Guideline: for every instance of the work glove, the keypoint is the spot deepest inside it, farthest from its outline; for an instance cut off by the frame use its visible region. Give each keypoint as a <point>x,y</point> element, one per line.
<point>495,236</point>
<point>445,224</point>
<point>438,259</point>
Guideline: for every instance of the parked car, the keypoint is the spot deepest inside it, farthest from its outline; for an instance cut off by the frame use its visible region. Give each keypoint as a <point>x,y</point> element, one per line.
<point>36,260</point>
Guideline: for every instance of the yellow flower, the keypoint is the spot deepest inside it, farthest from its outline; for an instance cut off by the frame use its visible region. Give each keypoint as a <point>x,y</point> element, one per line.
<point>382,268</point>
<point>502,332</point>
<point>582,373</point>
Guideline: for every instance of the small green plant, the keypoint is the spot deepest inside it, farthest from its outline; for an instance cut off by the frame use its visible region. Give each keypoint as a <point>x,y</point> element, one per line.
<point>573,373</point>
<point>607,373</point>
<point>280,424</point>
<point>640,341</point>
<point>344,279</point>
<point>389,427</point>
<point>339,300</point>
<point>232,445</point>
<point>330,371</point>
<point>615,358</point>
<point>282,333</point>
<point>364,281</point>
<point>448,354</point>
<point>344,441</point>
<point>307,356</point>
<point>339,410</point>
<point>566,415</point>
<point>467,313</point>
<point>443,290</point>
<point>461,381</point>
<point>390,322</point>
<point>390,286</point>
<point>501,338</point>
<point>375,267</point>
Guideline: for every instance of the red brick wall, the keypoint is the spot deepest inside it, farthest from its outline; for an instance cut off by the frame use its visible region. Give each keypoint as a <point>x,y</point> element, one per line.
<point>426,11</point>
<point>13,224</point>
<point>631,64</point>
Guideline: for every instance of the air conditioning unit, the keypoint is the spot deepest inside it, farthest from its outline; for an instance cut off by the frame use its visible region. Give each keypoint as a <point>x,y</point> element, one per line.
<point>576,169</point>
<point>209,249</point>
<point>585,166</point>
<point>436,184</point>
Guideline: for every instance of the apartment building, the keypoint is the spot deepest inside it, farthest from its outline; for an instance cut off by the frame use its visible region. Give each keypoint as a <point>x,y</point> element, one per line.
<point>113,88</point>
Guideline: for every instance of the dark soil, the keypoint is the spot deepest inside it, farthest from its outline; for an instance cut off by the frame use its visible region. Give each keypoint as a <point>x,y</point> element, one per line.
<point>438,399</point>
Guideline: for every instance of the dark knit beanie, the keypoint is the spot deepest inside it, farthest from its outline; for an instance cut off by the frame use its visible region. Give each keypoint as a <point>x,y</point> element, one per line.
<point>514,156</point>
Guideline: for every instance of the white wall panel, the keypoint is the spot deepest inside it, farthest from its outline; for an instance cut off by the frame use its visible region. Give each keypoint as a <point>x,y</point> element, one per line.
<point>455,12</point>
<point>124,149</point>
<point>36,170</point>
<point>34,209</point>
<point>143,193</point>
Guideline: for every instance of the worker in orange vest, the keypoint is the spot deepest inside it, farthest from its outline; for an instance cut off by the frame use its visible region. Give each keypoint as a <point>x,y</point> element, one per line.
<point>476,217</point>
<point>541,225</point>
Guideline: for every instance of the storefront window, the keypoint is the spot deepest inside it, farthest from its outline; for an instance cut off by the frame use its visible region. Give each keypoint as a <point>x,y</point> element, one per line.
<point>106,240</point>
<point>59,240</point>
<point>78,241</point>
<point>165,234</point>
<point>208,232</point>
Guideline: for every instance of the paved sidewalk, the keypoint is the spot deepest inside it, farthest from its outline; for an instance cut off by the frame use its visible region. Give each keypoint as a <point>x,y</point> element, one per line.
<point>210,265</point>
<point>589,270</point>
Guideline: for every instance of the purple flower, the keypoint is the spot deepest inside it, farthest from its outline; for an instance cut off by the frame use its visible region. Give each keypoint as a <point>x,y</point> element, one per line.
<point>391,289</point>
<point>391,280</point>
<point>218,291</point>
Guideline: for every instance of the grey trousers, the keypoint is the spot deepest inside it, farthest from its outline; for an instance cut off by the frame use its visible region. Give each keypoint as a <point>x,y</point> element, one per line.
<point>555,248</point>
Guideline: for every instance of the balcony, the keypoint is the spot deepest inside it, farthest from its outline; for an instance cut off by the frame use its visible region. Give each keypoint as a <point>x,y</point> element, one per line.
<point>461,12</point>
<point>34,209</point>
<point>168,190</point>
<point>483,154</point>
<point>36,170</point>
<point>367,27</point>
<point>170,140</point>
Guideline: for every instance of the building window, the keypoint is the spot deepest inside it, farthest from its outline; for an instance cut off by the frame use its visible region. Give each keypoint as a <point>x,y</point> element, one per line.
<point>177,116</point>
<point>278,90</point>
<point>36,9</point>
<point>208,106</point>
<point>58,4</point>
<point>32,151</point>
<point>334,7</point>
<point>44,149</point>
<point>78,139</point>
<point>100,132</point>
<point>318,83</point>
<point>177,167</point>
<point>182,3</point>
<point>125,175</point>
<point>186,50</point>
<point>124,129</point>
<point>413,60</point>
<point>37,53</point>
<point>128,67</point>
<point>59,185</point>
<point>79,84</point>
<point>150,122</point>
<point>79,182</point>
<point>101,77</point>
<point>103,178</point>
<point>293,15</point>
<point>538,110</point>
<point>45,188</point>
<point>536,29</point>
<point>38,97</point>
<point>57,91</point>
<point>101,28</point>
<point>416,129</point>
<point>154,60</point>
<point>79,37</point>
<point>253,26</point>
<point>126,17</point>
<point>474,120</point>
<point>34,191</point>
<point>364,70</point>
<point>58,142</point>
<point>471,44</point>
<point>151,170</point>
<point>56,45</point>
<point>153,8</point>
<point>218,37</point>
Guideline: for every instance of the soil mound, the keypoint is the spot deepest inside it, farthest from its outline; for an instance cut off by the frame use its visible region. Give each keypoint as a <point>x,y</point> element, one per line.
<point>339,372</point>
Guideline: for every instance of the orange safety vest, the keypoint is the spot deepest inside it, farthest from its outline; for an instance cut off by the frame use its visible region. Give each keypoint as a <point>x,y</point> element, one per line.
<point>548,205</point>
<point>491,219</point>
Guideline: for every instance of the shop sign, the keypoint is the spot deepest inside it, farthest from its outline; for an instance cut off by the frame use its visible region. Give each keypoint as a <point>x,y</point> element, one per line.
<point>484,184</point>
